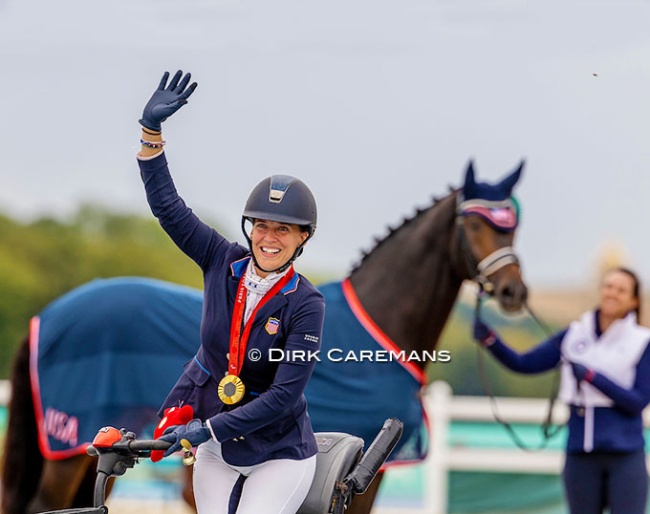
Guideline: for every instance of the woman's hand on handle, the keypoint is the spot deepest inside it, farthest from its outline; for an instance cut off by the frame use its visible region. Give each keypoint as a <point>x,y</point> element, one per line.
<point>195,432</point>
<point>167,99</point>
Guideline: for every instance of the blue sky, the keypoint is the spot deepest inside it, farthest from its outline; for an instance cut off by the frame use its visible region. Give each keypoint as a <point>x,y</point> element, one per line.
<point>376,105</point>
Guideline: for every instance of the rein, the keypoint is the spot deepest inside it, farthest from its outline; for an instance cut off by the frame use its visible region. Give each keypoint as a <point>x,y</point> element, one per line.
<point>549,430</point>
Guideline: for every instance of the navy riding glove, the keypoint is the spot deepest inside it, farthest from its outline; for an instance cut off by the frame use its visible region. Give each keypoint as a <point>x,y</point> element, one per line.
<point>167,99</point>
<point>482,333</point>
<point>195,432</point>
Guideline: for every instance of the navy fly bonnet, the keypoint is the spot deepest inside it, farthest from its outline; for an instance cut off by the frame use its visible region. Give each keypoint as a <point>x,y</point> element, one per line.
<point>493,202</point>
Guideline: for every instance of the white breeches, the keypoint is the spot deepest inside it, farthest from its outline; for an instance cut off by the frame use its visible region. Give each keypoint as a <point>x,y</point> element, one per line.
<point>272,487</point>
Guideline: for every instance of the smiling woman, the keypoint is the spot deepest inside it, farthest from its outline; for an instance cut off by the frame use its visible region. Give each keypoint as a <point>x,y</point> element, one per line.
<point>282,211</point>
<point>605,367</point>
<point>252,421</point>
<point>619,295</point>
<point>274,244</point>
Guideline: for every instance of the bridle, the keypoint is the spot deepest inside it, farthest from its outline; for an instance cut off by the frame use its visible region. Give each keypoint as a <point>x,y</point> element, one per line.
<point>480,271</point>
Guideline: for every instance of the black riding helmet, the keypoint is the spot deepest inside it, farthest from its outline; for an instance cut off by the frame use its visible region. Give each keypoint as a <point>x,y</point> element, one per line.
<point>284,199</point>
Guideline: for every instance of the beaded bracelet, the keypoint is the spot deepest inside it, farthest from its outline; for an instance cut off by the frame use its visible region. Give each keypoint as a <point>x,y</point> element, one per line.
<point>153,144</point>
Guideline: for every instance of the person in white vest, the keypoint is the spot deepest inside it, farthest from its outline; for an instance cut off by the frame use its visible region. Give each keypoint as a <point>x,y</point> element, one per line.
<point>605,380</point>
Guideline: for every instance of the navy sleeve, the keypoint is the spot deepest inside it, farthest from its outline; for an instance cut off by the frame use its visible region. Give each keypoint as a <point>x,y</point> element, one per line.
<point>196,239</point>
<point>290,379</point>
<point>543,357</point>
<point>632,400</point>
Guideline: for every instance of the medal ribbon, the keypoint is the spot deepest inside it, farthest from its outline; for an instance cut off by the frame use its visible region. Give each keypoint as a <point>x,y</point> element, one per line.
<point>239,339</point>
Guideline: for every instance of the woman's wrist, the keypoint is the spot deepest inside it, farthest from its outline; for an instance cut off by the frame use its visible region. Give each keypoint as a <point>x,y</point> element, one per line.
<point>590,375</point>
<point>152,143</point>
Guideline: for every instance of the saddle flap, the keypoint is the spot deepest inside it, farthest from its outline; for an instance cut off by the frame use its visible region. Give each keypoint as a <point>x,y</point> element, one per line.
<point>338,453</point>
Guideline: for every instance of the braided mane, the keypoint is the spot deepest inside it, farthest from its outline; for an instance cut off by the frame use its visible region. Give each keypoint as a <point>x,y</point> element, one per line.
<point>378,241</point>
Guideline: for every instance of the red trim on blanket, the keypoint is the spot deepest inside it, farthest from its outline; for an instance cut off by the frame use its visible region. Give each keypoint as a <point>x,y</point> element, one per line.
<point>376,332</point>
<point>43,443</point>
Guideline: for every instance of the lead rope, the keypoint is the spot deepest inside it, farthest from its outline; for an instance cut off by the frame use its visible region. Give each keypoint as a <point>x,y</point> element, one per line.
<point>549,430</point>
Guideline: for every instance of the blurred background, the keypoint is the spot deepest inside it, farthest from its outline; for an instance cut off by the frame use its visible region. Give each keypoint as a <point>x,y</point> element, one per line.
<point>377,105</point>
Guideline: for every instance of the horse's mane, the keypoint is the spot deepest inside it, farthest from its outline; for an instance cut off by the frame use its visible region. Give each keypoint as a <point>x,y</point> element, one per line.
<point>379,241</point>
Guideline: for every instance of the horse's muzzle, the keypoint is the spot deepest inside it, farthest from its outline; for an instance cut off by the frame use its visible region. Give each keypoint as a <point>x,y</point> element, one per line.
<point>511,293</point>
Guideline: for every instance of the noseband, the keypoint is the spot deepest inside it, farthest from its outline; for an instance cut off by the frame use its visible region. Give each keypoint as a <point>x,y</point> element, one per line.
<point>500,215</point>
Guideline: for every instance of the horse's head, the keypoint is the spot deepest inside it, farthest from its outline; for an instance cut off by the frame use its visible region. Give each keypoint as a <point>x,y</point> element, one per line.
<point>487,217</point>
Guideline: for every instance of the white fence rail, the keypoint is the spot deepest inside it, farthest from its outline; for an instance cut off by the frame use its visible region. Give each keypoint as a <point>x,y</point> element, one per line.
<point>443,408</point>
<point>5,390</point>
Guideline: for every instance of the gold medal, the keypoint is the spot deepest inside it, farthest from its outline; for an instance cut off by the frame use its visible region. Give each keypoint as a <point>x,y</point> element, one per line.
<point>231,389</point>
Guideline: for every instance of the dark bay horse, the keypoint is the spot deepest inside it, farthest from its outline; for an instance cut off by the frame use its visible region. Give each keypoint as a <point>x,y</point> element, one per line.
<point>399,296</point>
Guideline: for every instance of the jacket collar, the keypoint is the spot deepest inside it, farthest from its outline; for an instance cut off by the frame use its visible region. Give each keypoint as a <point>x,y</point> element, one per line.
<point>238,269</point>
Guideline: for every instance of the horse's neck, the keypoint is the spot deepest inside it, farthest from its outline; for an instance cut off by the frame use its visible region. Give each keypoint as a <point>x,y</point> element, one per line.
<point>408,283</point>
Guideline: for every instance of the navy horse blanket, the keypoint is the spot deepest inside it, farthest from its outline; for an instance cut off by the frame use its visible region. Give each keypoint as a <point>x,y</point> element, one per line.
<point>108,352</point>
<point>357,385</point>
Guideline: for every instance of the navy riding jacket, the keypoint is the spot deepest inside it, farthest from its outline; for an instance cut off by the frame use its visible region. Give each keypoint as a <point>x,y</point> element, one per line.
<point>271,421</point>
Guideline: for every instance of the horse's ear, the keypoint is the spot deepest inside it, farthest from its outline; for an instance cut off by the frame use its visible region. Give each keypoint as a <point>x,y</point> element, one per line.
<point>508,183</point>
<point>469,188</point>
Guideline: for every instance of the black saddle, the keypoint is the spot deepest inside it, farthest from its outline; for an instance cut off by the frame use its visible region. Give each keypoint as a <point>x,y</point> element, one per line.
<point>338,453</point>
